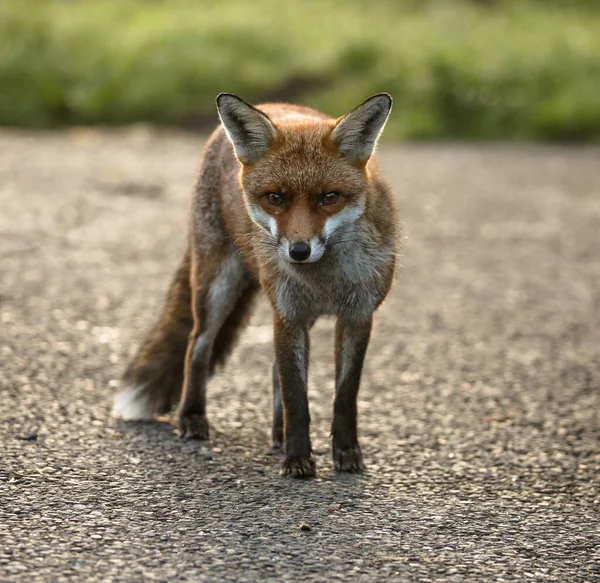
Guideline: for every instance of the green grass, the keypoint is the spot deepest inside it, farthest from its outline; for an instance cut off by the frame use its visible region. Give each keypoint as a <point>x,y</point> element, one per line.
<point>457,69</point>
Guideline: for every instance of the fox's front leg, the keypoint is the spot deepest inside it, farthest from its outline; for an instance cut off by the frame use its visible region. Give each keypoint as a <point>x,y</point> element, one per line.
<point>351,341</point>
<point>291,356</point>
<point>277,426</point>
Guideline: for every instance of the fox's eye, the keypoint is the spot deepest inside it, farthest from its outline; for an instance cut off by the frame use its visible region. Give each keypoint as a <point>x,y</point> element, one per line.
<point>274,199</point>
<point>330,198</point>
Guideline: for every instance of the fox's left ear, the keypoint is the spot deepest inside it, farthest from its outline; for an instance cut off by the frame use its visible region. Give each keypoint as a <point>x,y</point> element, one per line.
<point>356,133</point>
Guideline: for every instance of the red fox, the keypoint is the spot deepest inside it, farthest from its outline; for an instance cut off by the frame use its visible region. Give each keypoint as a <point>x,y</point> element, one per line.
<point>287,200</point>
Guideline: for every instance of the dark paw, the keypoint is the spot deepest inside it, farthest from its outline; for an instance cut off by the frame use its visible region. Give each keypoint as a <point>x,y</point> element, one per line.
<point>348,460</point>
<point>277,446</point>
<point>298,467</point>
<point>193,427</point>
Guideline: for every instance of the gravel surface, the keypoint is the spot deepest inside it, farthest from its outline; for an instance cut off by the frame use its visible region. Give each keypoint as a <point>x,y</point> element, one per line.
<point>479,407</point>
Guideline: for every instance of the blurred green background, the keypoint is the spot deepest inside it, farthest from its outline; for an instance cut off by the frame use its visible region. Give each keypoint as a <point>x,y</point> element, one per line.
<point>464,69</point>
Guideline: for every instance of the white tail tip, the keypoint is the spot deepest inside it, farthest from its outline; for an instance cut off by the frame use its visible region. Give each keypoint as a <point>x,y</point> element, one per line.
<point>132,404</point>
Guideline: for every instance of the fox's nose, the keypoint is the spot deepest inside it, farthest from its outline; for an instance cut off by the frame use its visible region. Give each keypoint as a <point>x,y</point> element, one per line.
<point>299,251</point>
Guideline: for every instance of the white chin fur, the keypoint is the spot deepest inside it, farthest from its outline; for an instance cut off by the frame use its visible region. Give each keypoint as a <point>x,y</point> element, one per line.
<point>131,404</point>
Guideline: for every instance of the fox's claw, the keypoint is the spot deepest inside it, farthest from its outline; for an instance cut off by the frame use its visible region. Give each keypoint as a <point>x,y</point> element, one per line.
<point>193,427</point>
<point>298,467</point>
<point>348,460</point>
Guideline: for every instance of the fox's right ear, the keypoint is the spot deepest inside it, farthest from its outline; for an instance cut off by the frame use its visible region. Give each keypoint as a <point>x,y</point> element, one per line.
<point>250,130</point>
<point>357,132</point>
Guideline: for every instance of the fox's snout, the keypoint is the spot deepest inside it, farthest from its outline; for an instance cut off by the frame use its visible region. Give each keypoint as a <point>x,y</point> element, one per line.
<point>299,251</point>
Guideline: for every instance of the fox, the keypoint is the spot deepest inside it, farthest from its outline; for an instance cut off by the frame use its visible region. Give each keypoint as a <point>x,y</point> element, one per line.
<point>287,201</point>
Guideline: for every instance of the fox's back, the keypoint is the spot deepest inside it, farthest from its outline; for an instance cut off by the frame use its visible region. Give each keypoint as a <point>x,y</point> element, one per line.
<point>288,113</point>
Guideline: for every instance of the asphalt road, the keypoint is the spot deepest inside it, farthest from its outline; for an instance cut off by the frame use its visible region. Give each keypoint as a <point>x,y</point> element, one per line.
<point>479,408</point>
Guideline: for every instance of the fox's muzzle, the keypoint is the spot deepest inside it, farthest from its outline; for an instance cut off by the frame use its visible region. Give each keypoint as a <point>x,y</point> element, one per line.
<point>299,251</point>
<point>306,251</point>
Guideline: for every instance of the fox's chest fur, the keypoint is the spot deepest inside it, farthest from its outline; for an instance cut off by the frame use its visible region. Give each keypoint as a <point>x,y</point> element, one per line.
<point>351,280</point>
<point>330,295</point>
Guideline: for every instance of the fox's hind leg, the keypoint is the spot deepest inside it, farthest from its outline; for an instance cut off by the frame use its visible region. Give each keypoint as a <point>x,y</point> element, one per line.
<point>222,291</point>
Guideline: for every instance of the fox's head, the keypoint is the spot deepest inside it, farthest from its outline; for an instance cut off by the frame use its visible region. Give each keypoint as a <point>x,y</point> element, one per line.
<point>304,175</point>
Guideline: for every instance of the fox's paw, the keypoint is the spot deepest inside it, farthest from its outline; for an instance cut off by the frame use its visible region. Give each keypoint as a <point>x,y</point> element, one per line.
<point>348,460</point>
<point>298,467</point>
<point>193,427</point>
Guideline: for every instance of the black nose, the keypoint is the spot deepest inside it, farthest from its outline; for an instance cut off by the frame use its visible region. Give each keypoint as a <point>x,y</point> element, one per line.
<point>299,251</point>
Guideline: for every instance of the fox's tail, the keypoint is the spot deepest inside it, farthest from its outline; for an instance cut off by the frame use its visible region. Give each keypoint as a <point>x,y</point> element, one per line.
<point>152,382</point>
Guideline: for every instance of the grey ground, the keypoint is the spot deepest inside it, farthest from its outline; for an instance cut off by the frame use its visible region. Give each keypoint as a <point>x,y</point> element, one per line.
<point>479,409</point>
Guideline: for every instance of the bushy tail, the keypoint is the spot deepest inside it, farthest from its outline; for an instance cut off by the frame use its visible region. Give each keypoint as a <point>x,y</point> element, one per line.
<point>153,380</point>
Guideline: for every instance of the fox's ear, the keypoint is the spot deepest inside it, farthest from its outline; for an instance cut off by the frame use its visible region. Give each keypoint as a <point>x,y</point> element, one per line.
<point>250,130</point>
<point>356,133</point>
